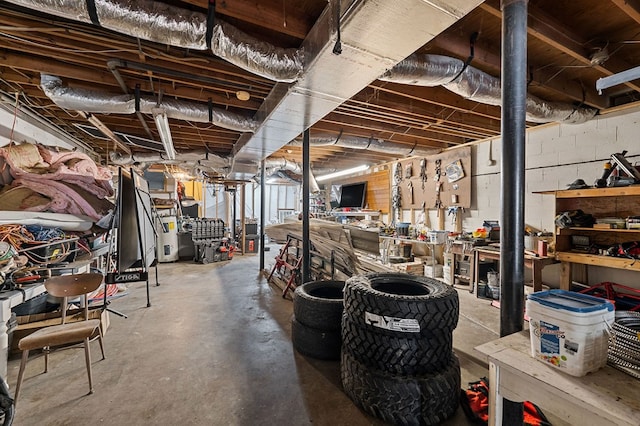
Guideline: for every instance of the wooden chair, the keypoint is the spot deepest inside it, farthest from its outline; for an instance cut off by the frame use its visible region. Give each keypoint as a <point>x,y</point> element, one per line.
<point>64,334</point>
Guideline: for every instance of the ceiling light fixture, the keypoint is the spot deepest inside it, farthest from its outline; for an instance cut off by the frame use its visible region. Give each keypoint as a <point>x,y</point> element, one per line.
<point>243,95</point>
<point>162,124</point>
<point>345,172</point>
<point>615,79</point>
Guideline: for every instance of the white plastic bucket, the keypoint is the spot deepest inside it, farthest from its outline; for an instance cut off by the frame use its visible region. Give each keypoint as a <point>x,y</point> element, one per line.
<point>569,330</point>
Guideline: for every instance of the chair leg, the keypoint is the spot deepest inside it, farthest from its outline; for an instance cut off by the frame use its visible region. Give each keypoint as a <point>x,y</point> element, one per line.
<point>100,336</point>
<point>46,351</point>
<point>87,357</point>
<point>23,364</point>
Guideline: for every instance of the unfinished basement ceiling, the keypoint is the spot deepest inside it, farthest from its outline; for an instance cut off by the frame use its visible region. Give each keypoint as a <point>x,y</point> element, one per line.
<point>570,45</point>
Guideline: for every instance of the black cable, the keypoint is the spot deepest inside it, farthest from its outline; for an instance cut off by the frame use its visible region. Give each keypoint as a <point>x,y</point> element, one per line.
<point>137,95</point>
<point>93,13</point>
<point>472,43</point>
<point>337,48</point>
<point>211,17</point>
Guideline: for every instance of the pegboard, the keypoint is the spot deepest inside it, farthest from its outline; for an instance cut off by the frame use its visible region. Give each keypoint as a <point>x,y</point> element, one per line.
<point>426,192</point>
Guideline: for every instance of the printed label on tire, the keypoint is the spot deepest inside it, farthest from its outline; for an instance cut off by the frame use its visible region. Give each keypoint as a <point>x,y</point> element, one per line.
<point>405,325</point>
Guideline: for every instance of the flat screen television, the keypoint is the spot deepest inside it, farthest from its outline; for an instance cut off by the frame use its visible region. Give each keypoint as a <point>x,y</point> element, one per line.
<point>353,195</point>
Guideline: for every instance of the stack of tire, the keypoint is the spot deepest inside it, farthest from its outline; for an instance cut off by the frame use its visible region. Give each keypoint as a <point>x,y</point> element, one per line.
<point>317,316</point>
<point>397,350</point>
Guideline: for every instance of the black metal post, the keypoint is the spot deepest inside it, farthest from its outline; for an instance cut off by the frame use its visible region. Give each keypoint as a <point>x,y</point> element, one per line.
<point>306,249</point>
<point>263,178</point>
<point>233,225</point>
<point>513,123</point>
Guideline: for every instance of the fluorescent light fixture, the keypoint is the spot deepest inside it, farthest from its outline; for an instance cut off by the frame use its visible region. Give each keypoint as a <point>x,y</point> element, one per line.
<point>162,124</point>
<point>105,130</point>
<point>345,172</point>
<point>615,79</point>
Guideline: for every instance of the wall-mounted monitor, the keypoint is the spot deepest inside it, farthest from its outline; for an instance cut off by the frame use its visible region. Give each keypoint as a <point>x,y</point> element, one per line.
<point>353,195</point>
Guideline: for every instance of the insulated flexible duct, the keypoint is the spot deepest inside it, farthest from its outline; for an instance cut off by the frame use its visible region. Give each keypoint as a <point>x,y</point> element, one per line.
<point>475,85</point>
<point>192,157</point>
<point>272,165</point>
<point>174,26</point>
<point>162,23</point>
<point>105,103</point>
<point>376,145</point>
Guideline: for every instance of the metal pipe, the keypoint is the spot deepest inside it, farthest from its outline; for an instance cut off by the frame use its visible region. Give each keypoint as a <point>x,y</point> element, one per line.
<point>306,243</point>
<point>262,213</point>
<point>513,122</point>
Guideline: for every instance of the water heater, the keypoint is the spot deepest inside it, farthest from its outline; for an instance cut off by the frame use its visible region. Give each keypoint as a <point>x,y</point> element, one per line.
<point>167,239</point>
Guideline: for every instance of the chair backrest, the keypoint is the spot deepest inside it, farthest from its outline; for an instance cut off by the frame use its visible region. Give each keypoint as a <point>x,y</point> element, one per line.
<point>66,286</point>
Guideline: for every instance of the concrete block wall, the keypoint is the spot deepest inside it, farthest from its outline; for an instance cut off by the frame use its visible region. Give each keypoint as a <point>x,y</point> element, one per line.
<point>556,155</point>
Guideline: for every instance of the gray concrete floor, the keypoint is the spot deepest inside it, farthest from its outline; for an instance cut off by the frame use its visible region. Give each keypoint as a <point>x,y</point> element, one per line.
<point>214,348</point>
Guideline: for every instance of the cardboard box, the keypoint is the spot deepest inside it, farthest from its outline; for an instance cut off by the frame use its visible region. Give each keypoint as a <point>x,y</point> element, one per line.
<point>27,324</point>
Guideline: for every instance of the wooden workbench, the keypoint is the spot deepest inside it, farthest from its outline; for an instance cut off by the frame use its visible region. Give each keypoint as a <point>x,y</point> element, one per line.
<point>606,397</point>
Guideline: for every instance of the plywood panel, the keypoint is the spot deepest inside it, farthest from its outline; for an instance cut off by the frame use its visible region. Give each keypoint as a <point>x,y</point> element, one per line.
<point>451,194</point>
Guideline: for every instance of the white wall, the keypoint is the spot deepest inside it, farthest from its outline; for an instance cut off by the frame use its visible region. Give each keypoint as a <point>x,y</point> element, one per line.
<point>556,155</point>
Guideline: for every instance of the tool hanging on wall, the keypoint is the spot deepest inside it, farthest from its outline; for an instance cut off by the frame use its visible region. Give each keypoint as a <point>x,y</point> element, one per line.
<point>396,201</point>
<point>453,212</point>
<point>397,173</point>
<point>410,186</point>
<point>438,204</point>
<point>423,171</point>
<point>436,176</point>
<point>408,170</point>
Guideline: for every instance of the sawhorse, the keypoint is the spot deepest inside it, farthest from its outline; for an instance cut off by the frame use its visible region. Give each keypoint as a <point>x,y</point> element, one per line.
<point>282,260</point>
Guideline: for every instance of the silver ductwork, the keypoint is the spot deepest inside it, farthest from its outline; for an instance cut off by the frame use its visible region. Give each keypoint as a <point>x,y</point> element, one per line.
<point>193,157</point>
<point>273,165</point>
<point>371,144</point>
<point>478,86</point>
<point>162,23</point>
<point>105,103</point>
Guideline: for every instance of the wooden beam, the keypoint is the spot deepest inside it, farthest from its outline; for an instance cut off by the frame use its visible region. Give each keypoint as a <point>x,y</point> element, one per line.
<point>547,29</point>
<point>630,7</point>
<point>273,15</point>
<point>484,58</point>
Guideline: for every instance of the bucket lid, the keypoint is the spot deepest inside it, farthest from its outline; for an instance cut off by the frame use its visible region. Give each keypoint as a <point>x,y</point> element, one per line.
<point>570,301</point>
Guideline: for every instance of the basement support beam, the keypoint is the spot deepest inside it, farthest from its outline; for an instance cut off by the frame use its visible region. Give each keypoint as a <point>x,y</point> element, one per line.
<point>512,173</point>
<point>306,243</point>
<point>262,213</point>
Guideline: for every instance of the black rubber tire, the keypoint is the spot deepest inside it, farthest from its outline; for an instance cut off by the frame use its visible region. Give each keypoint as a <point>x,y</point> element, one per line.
<point>403,354</point>
<point>319,304</point>
<point>425,304</point>
<point>319,344</point>
<point>402,400</point>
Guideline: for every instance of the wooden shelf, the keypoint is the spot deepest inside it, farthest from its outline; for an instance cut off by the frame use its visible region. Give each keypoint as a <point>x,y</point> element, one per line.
<point>602,229</point>
<point>620,191</point>
<point>595,260</point>
<point>618,202</point>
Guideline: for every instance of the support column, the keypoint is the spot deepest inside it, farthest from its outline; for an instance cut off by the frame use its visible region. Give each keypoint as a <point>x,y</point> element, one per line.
<point>243,209</point>
<point>262,213</point>
<point>513,123</point>
<point>306,251</point>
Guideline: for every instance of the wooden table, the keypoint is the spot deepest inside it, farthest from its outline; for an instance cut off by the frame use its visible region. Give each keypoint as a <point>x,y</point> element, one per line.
<point>535,263</point>
<point>606,397</point>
